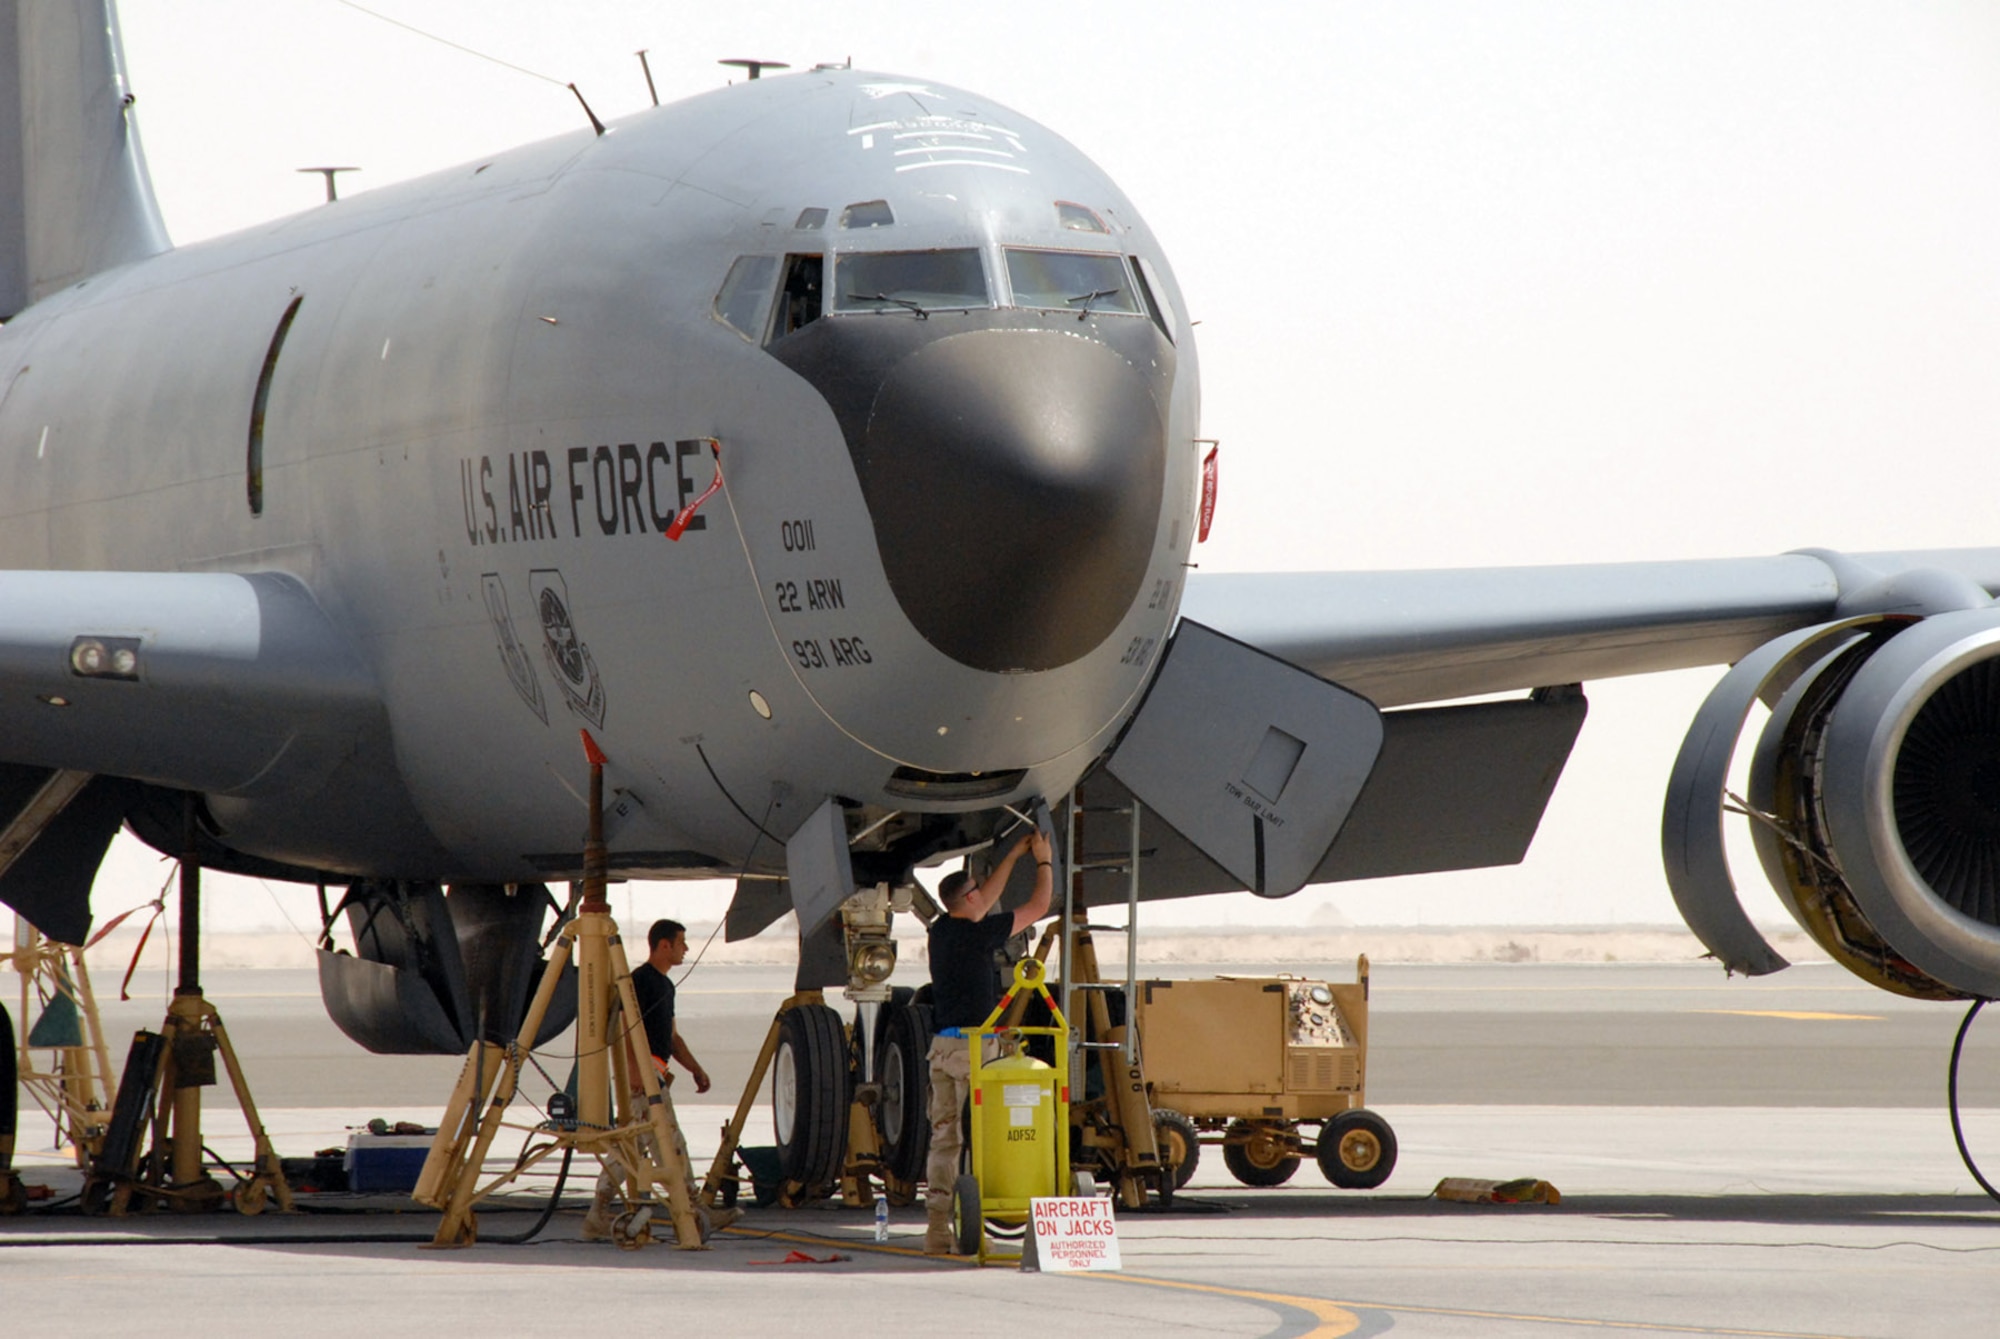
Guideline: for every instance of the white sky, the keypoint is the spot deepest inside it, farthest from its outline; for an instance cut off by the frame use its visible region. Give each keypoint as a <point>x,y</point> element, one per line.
<point>1479,283</point>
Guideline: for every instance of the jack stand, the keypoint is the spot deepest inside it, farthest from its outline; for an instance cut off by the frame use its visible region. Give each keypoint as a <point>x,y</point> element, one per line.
<point>172,1173</point>
<point>75,1091</point>
<point>732,1133</point>
<point>1120,1123</point>
<point>642,1148</point>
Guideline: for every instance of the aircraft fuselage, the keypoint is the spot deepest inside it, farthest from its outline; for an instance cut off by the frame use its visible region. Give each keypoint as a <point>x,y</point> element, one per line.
<point>959,470</point>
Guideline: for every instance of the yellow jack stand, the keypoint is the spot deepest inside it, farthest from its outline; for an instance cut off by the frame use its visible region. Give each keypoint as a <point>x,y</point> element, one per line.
<point>732,1133</point>
<point>172,1173</point>
<point>75,1090</point>
<point>642,1148</point>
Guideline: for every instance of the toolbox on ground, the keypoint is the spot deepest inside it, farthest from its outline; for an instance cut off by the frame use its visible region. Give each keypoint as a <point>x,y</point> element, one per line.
<point>385,1163</point>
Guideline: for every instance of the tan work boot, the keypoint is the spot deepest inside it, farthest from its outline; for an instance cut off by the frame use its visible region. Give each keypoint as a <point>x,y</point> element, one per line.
<point>938,1237</point>
<point>597,1223</point>
<point>606,1202</point>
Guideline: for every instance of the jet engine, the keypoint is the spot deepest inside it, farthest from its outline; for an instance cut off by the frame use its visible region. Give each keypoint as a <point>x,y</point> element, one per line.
<point>1873,795</point>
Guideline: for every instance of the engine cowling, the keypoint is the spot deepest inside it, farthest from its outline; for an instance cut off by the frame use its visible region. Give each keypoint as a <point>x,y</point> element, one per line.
<point>1879,775</point>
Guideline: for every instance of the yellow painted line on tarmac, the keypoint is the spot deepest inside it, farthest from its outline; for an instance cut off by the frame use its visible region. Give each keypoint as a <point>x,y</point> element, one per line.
<point>1334,1319</point>
<point>1800,1015</point>
<point>1338,1318</point>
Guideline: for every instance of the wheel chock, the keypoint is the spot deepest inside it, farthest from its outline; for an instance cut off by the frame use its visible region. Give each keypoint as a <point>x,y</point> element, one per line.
<point>1523,1190</point>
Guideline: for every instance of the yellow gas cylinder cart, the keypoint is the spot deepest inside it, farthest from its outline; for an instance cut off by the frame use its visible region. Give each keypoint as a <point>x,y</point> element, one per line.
<point>1017,1126</point>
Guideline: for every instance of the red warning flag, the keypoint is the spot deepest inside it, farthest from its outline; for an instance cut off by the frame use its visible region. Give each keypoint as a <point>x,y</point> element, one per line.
<point>1207,495</point>
<point>680,522</point>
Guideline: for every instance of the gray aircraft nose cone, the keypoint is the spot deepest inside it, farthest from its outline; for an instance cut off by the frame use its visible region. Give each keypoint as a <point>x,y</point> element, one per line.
<point>1014,480</point>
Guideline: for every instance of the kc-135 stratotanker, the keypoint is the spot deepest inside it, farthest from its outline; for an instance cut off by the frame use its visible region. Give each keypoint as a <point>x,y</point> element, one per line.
<point>828,446</point>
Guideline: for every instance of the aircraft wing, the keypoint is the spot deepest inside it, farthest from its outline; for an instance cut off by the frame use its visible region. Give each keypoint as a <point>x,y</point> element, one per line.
<point>120,689</point>
<point>202,681</point>
<point>1426,636</point>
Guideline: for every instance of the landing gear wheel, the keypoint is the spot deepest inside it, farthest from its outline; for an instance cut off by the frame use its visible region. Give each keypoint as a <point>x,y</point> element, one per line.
<point>902,1064</point>
<point>251,1198</point>
<point>809,1095</point>
<point>967,1231</point>
<point>1258,1154</point>
<point>1357,1150</point>
<point>1179,1144</point>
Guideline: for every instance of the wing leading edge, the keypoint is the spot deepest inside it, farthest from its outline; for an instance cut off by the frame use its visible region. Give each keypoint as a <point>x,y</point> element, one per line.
<point>1400,638</point>
<point>235,687</point>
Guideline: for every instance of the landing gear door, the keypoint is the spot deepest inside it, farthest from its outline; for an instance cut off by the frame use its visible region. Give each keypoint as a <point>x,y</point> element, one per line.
<point>817,866</point>
<point>1254,760</point>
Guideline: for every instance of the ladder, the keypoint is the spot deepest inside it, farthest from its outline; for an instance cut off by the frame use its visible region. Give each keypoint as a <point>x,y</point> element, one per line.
<point>1123,1132</point>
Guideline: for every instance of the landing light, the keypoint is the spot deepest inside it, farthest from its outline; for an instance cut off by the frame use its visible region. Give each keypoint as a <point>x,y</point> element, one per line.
<point>105,657</point>
<point>759,705</point>
<point>871,963</point>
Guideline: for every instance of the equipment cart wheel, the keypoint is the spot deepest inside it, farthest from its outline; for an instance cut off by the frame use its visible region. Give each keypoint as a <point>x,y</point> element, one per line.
<point>1259,1154</point>
<point>1357,1150</point>
<point>809,1095</point>
<point>1179,1143</point>
<point>967,1231</point>
<point>903,1067</point>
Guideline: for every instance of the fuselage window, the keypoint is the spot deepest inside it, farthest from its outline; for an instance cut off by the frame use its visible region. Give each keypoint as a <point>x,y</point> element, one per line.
<point>253,471</point>
<point>1076,218</point>
<point>810,220</point>
<point>744,300</point>
<point>799,299</point>
<point>914,281</point>
<point>1155,294</point>
<point>1079,281</point>
<point>867,214</point>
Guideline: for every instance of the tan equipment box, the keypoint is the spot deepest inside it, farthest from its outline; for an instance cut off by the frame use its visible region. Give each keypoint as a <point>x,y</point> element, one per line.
<point>1246,1059</point>
<point>1255,1046</point>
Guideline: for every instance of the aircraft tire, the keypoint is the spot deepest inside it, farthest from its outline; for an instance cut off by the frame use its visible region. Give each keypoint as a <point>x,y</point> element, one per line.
<point>809,1095</point>
<point>1357,1150</point>
<point>903,1067</point>
<point>1256,1158</point>
<point>10,1111</point>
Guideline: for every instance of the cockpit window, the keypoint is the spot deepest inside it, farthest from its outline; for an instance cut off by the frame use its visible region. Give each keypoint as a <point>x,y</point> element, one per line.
<point>799,298</point>
<point>1078,281</point>
<point>1155,294</point>
<point>867,214</point>
<point>917,281</point>
<point>1076,218</point>
<point>744,300</point>
<point>810,219</point>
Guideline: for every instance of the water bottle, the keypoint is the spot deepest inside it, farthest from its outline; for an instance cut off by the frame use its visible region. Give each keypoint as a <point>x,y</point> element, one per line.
<point>881,1218</point>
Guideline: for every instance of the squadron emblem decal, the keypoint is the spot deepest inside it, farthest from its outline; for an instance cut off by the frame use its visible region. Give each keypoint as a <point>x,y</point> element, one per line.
<point>569,658</point>
<point>520,671</point>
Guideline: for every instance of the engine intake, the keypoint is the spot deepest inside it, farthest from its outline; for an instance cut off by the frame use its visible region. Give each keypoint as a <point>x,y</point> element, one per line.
<point>1892,775</point>
<point>1874,795</point>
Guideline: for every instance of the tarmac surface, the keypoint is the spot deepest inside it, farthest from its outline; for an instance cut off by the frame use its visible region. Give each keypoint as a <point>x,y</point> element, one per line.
<point>1763,1157</point>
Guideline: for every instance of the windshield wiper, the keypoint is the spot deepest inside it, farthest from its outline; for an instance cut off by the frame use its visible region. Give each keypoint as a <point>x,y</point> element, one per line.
<point>1087,298</point>
<point>923,312</point>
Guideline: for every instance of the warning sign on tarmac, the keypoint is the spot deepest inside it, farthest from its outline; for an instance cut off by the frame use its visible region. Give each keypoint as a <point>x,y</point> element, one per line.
<point>1066,1235</point>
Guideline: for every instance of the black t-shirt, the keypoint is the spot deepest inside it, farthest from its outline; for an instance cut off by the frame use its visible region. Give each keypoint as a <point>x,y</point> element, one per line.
<point>965,979</point>
<point>656,1006</point>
